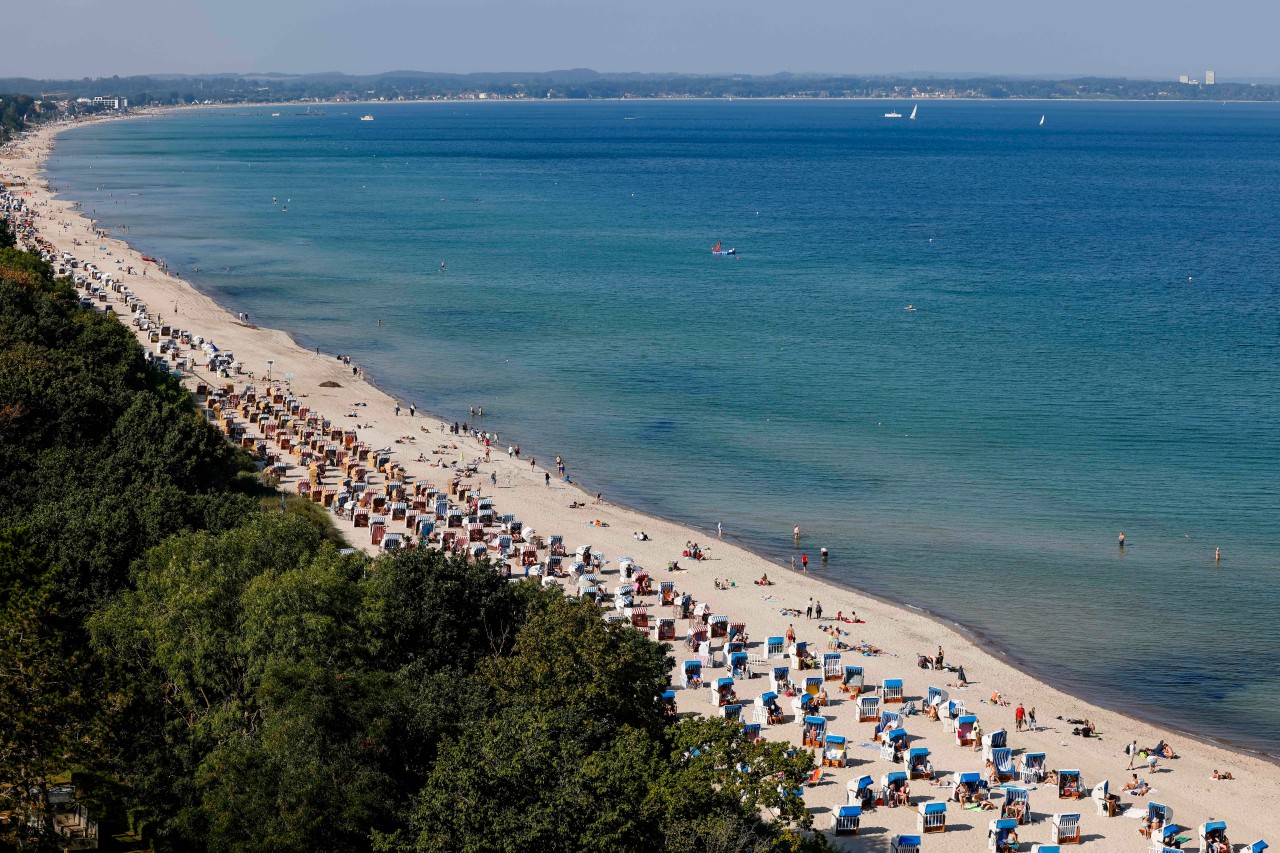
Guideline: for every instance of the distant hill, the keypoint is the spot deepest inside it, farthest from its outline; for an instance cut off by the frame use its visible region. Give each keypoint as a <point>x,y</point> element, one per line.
<point>584,83</point>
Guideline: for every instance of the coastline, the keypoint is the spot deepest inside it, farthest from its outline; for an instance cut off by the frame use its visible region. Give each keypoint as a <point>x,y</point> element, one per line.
<point>898,627</point>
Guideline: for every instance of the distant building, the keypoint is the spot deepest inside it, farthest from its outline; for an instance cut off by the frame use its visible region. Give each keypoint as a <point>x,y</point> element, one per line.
<point>1208,78</point>
<point>111,103</point>
<point>1182,78</point>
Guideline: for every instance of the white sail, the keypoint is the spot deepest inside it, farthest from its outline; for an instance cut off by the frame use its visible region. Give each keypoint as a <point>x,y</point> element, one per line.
<point>1042,121</point>
<point>914,107</point>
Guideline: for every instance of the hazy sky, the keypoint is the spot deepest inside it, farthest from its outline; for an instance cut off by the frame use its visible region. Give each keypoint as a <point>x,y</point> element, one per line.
<point>75,38</point>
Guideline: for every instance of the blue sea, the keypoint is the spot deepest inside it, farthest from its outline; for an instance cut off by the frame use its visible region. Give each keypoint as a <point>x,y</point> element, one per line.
<point>1095,345</point>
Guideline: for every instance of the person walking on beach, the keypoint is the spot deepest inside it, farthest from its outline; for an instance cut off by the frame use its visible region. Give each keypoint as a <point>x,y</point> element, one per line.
<point>817,611</point>
<point>1132,751</point>
<point>412,410</point>
<point>808,611</point>
<point>547,477</point>
<point>791,634</point>
<point>1031,719</point>
<point>397,410</point>
<point>1019,717</point>
<point>533,463</point>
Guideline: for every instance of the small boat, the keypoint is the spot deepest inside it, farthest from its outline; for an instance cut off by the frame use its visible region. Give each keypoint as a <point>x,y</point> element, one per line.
<point>275,115</point>
<point>914,107</point>
<point>1042,121</point>
<point>150,260</point>
<point>722,252</point>
<point>893,114</point>
<point>366,118</point>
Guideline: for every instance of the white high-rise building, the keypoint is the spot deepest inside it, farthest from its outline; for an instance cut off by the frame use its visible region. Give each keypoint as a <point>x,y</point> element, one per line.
<point>1208,78</point>
<point>1182,78</point>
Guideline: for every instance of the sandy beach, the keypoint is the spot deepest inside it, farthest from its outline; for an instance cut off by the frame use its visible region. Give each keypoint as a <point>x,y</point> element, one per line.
<point>325,384</point>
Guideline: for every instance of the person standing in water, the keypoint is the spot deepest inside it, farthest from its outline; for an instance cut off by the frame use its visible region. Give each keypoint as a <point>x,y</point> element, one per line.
<point>1120,539</point>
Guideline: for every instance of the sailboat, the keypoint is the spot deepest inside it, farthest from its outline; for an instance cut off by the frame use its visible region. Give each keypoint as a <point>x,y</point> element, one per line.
<point>1042,121</point>
<point>718,251</point>
<point>914,107</point>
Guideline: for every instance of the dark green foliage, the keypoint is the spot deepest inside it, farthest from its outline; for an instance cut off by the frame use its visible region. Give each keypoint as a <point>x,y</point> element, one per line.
<point>100,456</point>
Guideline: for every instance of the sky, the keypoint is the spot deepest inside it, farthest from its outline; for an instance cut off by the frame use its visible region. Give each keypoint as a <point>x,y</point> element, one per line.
<point>1135,38</point>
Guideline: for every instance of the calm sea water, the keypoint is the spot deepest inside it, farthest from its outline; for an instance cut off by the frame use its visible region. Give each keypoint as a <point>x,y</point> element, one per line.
<point>1096,345</point>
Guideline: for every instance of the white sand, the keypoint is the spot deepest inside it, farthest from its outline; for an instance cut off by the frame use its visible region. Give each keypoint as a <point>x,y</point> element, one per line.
<point>1250,805</point>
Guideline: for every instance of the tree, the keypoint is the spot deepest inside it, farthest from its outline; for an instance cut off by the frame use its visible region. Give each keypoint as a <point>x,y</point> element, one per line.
<point>50,714</point>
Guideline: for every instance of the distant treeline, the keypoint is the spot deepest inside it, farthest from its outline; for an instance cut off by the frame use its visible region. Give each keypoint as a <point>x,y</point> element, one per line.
<point>583,84</point>
<point>212,671</point>
<point>16,111</point>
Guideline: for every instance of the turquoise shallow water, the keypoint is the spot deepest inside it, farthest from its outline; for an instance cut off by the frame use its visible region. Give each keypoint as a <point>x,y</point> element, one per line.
<point>1096,345</point>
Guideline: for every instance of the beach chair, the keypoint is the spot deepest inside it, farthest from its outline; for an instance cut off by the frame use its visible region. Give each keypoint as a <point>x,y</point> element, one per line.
<point>888,721</point>
<point>964,729</point>
<point>1070,785</point>
<point>668,702</point>
<point>904,844</point>
<point>815,729</point>
<point>1065,829</point>
<point>868,709</point>
<point>738,665</point>
<point>890,783</point>
<point>731,712</point>
<point>892,743</point>
<point>851,681</point>
<point>846,819</point>
<point>834,751</point>
<point>831,667</point>
<point>692,674</point>
<point>1169,839</point>
<point>737,631</point>
<point>377,529</point>
<point>891,691</point>
<point>861,792</point>
<point>993,740</point>
<point>932,817</point>
<point>751,731</point>
<point>1045,848</point>
<point>1106,806</point>
<point>1214,830</point>
<point>916,763</point>
<point>764,713</point>
<point>799,651</point>
<point>722,692</point>
<point>935,696</point>
<point>949,713</point>
<point>719,627</point>
<point>779,678</point>
<point>813,685</point>
<point>666,630</point>
<point>775,647</point>
<point>1256,847</point>
<point>1157,811</point>
<point>1017,804</point>
<point>998,832</point>
<point>1031,768</point>
<point>1002,758</point>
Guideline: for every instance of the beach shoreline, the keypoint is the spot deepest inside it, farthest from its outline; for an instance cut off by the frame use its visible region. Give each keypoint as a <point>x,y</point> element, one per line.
<point>986,662</point>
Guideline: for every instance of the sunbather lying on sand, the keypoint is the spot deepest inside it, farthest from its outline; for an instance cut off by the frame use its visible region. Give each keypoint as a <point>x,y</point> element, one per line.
<point>1226,775</point>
